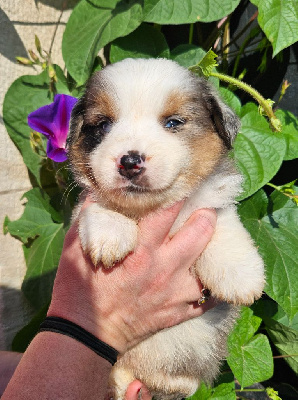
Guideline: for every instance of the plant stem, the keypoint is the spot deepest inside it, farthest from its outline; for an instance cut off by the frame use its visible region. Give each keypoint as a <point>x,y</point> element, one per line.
<point>190,37</point>
<point>226,40</point>
<point>275,123</point>
<point>286,355</point>
<point>242,31</point>
<point>247,88</point>
<point>56,27</point>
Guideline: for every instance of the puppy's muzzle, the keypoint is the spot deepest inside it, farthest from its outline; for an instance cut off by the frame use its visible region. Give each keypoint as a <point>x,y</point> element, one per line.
<point>131,165</point>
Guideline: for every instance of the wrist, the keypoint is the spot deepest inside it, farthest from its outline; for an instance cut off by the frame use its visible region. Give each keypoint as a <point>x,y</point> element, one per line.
<point>104,329</point>
<point>65,327</point>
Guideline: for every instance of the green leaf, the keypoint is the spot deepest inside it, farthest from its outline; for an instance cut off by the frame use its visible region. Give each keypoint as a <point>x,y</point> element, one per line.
<point>247,108</point>
<point>223,389</point>
<point>245,328</point>
<point>43,253</point>
<point>187,55</point>
<point>23,338</point>
<point>230,99</point>
<point>285,340</point>
<point>91,26</point>
<point>38,214</point>
<point>267,308</point>
<point>62,85</point>
<point>290,132</point>
<point>144,42</point>
<point>25,95</point>
<point>203,393</point>
<point>258,152</point>
<point>275,232</point>
<point>255,362</point>
<point>42,259</point>
<point>278,19</point>
<point>206,65</point>
<point>183,12</point>
<point>250,357</point>
<point>273,394</point>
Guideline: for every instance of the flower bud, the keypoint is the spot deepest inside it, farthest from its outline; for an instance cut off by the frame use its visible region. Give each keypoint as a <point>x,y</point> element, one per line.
<point>33,56</point>
<point>38,45</point>
<point>24,61</point>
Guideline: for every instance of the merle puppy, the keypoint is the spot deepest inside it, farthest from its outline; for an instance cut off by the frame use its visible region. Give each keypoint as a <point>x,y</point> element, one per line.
<point>146,134</point>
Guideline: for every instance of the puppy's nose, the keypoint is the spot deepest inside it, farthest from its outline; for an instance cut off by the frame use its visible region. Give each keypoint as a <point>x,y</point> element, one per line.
<point>131,165</point>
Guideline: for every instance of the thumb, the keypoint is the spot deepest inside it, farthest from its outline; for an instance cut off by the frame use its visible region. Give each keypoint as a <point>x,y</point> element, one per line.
<point>137,391</point>
<point>194,235</point>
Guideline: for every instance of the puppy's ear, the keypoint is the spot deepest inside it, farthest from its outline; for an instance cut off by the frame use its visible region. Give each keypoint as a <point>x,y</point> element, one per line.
<point>224,119</point>
<point>76,122</point>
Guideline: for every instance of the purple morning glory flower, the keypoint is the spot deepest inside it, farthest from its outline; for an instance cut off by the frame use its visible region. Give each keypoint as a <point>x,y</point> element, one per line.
<point>53,122</point>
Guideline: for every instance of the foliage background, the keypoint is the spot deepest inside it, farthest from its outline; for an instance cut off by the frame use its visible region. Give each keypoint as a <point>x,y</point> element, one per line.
<point>264,343</point>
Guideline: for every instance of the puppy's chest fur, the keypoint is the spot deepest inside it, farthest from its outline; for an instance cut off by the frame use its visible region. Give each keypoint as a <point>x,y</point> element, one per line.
<point>147,133</point>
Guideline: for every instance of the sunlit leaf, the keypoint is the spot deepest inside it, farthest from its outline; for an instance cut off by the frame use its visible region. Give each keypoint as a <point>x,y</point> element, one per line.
<point>285,340</point>
<point>250,356</point>
<point>187,11</point>
<point>290,132</point>
<point>258,152</point>
<point>144,42</point>
<point>92,25</point>
<point>274,230</point>
<point>278,19</point>
<point>42,224</point>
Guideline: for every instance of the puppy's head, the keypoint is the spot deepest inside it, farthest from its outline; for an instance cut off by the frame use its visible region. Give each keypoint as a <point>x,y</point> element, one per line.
<point>146,133</point>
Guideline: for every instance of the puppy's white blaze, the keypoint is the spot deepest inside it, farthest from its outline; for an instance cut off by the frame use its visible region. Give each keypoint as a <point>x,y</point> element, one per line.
<point>165,154</point>
<point>141,87</point>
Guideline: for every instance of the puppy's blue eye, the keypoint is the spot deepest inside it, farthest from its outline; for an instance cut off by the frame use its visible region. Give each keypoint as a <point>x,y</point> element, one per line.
<point>105,126</point>
<point>173,123</point>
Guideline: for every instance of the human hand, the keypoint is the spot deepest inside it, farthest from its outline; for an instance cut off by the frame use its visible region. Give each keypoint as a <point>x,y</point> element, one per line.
<point>153,288</point>
<point>137,391</point>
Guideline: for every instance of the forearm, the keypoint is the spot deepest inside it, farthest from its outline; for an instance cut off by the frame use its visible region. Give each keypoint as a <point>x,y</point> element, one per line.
<point>8,363</point>
<point>58,367</point>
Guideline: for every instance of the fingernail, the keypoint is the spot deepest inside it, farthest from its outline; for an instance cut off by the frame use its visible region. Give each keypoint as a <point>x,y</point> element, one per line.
<point>207,213</point>
<point>139,392</point>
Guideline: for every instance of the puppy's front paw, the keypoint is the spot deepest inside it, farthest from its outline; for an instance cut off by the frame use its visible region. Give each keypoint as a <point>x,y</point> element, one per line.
<point>230,266</point>
<point>233,278</point>
<point>106,236</point>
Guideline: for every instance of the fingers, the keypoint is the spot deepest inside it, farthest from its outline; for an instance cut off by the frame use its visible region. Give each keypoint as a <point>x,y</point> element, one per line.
<point>155,227</point>
<point>190,241</point>
<point>196,310</point>
<point>137,391</point>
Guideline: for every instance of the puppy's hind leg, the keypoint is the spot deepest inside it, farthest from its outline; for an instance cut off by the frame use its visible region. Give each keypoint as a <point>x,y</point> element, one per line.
<point>162,386</point>
<point>119,380</point>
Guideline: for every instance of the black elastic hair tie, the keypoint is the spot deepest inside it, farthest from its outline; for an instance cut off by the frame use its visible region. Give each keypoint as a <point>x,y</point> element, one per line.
<point>68,328</point>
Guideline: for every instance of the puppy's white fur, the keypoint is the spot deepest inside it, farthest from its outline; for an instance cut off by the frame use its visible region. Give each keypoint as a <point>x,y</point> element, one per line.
<point>138,97</point>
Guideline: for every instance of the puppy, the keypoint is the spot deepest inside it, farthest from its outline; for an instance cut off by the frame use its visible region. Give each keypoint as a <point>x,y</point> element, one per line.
<point>146,134</point>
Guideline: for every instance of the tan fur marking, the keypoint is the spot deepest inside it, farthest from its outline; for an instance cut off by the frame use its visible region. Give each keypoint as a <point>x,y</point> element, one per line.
<point>175,103</point>
<point>82,166</point>
<point>207,150</point>
<point>101,104</point>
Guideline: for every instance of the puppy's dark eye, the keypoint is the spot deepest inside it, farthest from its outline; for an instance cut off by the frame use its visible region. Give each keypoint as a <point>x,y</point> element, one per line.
<point>100,128</point>
<point>173,123</point>
<point>94,133</point>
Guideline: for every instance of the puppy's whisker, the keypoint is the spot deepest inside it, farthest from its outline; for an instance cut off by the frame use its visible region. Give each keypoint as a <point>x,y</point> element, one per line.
<point>67,191</point>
